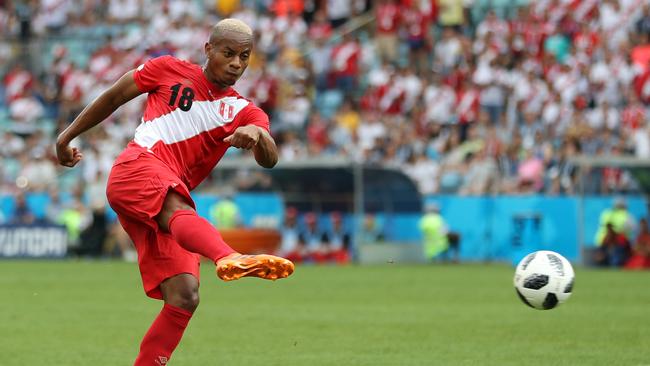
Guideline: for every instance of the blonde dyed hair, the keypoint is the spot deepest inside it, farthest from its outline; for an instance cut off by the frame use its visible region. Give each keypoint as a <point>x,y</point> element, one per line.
<point>231,25</point>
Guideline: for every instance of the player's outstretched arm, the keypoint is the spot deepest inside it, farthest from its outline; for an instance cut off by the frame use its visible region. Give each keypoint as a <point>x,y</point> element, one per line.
<point>259,140</point>
<point>265,151</point>
<point>98,110</point>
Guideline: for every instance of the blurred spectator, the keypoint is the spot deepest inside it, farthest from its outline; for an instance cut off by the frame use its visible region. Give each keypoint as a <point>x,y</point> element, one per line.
<point>345,63</point>
<point>55,207</point>
<point>291,247</point>
<point>416,25</point>
<point>337,240</point>
<point>11,144</point>
<point>320,29</point>
<point>25,110</point>
<point>387,22</point>
<point>434,232</point>
<point>424,172</point>
<point>39,172</point>
<point>439,99</point>
<point>467,103</point>
<point>614,248</point>
<point>339,11</point>
<point>76,217</point>
<point>557,45</point>
<point>372,230</point>
<point>293,115</point>
<point>22,214</point>
<point>93,237</point>
<point>265,91</point>
<point>225,213</point>
<point>16,82</point>
<point>291,148</point>
<point>452,13</point>
<point>347,116</point>
<point>614,234</point>
<point>226,7</point>
<point>310,237</point>
<point>530,173</point>
<point>317,135</point>
<point>53,15</point>
<point>643,24</point>
<point>640,257</point>
<point>123,11</point>
<point>318,55</point>
<point>480,177</point>
<point>561,172</point>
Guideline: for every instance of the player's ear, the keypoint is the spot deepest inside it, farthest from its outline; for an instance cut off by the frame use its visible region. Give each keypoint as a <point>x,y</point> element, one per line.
<point>207,48</point>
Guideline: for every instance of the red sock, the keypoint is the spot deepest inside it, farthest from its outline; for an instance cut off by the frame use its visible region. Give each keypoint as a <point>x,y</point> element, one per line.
<point>163,336</point>
<point>197,235</point>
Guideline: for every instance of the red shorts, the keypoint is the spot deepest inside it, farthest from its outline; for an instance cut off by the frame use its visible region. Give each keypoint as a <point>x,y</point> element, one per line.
<point>136,189</point>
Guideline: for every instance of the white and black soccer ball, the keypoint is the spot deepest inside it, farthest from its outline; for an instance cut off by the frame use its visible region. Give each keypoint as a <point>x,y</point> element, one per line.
<point>544,279</point>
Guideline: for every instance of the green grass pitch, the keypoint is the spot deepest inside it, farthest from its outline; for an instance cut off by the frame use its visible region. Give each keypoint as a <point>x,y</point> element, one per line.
<point>94,313</point>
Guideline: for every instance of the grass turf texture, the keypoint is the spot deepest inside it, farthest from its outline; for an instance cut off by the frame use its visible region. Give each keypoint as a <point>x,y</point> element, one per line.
<point>94,313</point>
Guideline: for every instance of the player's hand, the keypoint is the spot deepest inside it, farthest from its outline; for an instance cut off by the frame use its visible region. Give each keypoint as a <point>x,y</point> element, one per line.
<point>244,137</point>
<point>68,156</point>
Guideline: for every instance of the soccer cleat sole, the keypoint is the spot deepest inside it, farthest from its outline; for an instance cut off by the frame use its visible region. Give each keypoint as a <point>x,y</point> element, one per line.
<point>262,266</point>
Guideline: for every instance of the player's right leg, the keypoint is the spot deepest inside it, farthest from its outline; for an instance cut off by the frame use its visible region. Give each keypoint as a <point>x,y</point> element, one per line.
<point>197,235</point>
<point>181,296</point>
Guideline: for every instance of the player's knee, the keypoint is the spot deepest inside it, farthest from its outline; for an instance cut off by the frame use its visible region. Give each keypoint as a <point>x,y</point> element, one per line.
<point>187,299</point>
<point>191,301</point>
<point>181,291</point>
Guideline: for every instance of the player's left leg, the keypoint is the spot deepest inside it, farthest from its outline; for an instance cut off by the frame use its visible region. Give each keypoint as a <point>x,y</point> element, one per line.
<point>181,296</point>
<point>191,231</point>
<point>197,235</point>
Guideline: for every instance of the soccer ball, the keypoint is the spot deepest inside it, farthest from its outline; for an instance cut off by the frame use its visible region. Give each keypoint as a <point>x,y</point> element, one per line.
<point>544,279</point>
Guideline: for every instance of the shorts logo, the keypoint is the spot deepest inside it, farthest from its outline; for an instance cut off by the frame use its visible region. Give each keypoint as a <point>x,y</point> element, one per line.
<point>162,360</point>
<point>226,111</point>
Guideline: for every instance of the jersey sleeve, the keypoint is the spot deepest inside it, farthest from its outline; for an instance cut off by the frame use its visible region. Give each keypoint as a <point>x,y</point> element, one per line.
<point>148,75</point>
<point>253,115</point>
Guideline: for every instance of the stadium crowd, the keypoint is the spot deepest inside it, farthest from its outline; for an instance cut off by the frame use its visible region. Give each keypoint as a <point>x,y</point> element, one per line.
<point>465,96</point>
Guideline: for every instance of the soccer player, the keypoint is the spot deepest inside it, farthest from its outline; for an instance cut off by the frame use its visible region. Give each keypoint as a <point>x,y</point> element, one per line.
<point>192,116</point>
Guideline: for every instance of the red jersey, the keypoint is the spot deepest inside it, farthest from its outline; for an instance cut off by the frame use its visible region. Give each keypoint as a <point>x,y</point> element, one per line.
<point>186,118</point>
<point>16,83</point>
<point>345,58</point>
<point>586,41</point>
<point>318,30</point>
<point>387,18</point>
<point>416,23</point>
<point>633,116</point>
<point>467,105</point>
<point>642,86</point>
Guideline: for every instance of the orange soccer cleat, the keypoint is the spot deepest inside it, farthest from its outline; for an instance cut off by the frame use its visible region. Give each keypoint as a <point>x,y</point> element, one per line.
<point>269,267</point>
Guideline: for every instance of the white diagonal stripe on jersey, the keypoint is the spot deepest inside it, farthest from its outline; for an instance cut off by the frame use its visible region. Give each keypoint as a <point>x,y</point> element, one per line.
<point>179,125</point>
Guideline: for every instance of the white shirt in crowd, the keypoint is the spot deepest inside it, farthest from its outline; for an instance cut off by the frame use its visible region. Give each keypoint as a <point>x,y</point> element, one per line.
<point>641,140</point>
<point>368,133</point>
<point>439,101</point>
<point>603,117</point>
<point>124,9</point>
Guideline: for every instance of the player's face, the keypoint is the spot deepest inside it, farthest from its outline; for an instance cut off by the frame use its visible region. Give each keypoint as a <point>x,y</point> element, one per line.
<point>228,58</point>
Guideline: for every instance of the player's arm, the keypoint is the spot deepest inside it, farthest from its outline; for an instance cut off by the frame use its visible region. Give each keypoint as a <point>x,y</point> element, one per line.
<point>98,110</point>
<point>265,151</point>
<point>259,140</point>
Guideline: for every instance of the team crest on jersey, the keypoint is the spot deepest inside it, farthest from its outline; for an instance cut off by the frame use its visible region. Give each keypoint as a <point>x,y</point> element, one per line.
<point>226,111</point>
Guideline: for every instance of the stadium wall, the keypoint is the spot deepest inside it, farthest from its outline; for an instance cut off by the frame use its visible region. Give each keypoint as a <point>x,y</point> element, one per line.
<point>492,228</point>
